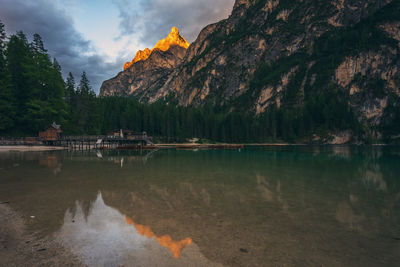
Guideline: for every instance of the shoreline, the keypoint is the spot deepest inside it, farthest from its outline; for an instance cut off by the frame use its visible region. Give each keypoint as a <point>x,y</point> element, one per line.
<point>24,148</point>
<point>20,247</point>
<point>225,144</point>
<point>183,146</point>
<point>261,145</point>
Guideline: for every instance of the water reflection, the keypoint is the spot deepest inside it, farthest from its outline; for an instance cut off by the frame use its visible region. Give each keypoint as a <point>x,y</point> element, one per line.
<point>105,237</point>
<point>125,157</point>
<point>263,186</point>
<point>375,178</point>
<point>346,215</point>
<point>51,161</point>
<point>256,207</point>
<point>175,247</point>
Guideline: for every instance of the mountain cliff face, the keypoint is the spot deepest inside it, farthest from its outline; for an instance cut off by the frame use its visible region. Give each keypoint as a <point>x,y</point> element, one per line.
<point>149,69</point>
<point>331,62</point>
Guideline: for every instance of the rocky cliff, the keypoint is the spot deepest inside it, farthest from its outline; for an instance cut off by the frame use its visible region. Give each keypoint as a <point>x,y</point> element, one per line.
<point>338,58</point>
<point>149,69</point>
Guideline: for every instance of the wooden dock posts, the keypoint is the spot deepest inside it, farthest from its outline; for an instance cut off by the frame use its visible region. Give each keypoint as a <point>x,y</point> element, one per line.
<point>103,142</point>
<point>78,144</point>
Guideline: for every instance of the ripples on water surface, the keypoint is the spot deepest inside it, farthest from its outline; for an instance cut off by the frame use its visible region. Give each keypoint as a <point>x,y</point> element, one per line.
<point>303,206</point>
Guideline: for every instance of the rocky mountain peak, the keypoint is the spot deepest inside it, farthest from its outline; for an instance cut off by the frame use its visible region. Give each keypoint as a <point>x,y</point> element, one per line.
<point>173,38</point>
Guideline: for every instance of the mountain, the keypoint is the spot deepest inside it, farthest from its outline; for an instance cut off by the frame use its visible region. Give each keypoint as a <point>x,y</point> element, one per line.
<point>327,68</point>
<point>173,38</point>
<point>140,55</point>
<point>149,68</point>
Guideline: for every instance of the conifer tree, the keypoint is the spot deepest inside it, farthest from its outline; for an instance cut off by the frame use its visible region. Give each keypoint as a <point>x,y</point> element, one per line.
<point>56,65</point>
<point>70,89</point>
<point>21,68</point>
<point>7,108</point>
<point>84,88</point>
<point>86,107</point>
<point>37,44</point>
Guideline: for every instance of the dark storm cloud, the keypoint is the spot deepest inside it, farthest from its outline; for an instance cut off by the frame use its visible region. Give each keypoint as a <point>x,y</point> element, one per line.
<point>144,20</point>
<point>73,52</point>
<point>151,20</point>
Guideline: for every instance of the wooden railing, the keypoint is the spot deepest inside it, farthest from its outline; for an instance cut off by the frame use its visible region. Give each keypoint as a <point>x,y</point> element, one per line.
<point>105,137</point>
<point>67,140</point>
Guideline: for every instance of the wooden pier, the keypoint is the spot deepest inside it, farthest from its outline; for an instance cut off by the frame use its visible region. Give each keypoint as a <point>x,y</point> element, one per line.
<point>136,140</point>
<point>131,141</point>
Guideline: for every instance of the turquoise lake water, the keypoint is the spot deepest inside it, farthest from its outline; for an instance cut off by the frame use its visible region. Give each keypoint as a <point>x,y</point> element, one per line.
<point>275,206</point>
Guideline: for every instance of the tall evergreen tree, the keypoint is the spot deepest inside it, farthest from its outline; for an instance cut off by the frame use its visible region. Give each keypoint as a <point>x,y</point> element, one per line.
<point>71,101</point>
<point>37,44</point>
<point>70,89</point>
<point>56,65</point>
<point>21,67</point>
<point>84,87</point>
<point>7,109</point>
<point>86,107</point>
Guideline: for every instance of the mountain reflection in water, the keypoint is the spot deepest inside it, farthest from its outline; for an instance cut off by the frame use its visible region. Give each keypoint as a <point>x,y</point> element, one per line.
<point>105,237</point>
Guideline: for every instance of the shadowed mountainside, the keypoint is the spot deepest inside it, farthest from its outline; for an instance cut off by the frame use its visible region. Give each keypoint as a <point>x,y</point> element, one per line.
<point>321,62</point>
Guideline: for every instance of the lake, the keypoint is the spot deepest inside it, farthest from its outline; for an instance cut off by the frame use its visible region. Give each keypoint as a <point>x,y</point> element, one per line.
<point>274,206</point>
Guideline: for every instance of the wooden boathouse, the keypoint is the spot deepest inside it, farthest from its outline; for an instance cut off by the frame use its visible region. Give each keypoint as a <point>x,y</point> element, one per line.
<point>51,134</point>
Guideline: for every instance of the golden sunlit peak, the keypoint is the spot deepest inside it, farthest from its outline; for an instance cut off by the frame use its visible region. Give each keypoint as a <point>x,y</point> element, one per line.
<point>173,38</point>
<point>142,55</point>
<point>174,30</point>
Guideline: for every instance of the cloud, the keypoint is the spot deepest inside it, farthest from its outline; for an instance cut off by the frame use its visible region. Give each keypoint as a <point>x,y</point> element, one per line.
<point>151,20</point>
<point>74,53</point>
<point>141,24</point>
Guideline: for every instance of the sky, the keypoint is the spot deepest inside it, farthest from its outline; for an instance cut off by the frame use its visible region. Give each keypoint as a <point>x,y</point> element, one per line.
<point>99,36</point>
